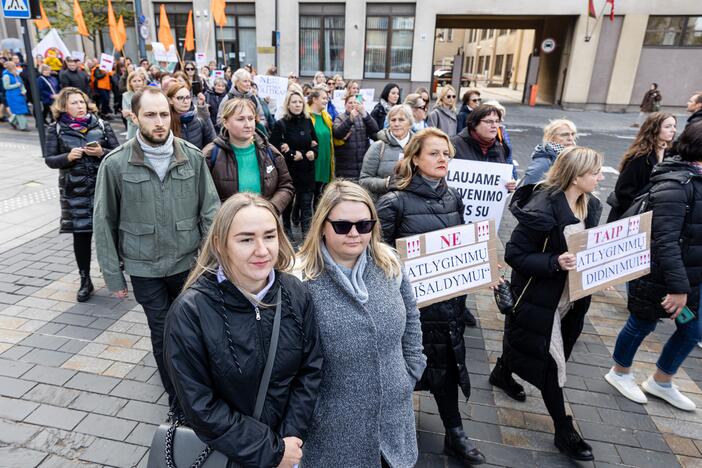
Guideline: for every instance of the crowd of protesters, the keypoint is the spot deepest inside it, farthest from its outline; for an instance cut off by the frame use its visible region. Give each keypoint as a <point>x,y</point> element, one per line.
<point>209,172</point>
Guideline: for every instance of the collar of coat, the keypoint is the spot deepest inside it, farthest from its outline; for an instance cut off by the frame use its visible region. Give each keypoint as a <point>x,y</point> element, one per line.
<point>542,209</point>
<point>136,156</point>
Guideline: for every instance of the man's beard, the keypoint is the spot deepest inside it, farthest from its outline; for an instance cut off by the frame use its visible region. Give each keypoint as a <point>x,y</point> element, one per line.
<point>152,140</point>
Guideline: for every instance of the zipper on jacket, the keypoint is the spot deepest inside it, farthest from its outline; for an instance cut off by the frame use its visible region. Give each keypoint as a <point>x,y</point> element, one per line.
<point>258,314</point>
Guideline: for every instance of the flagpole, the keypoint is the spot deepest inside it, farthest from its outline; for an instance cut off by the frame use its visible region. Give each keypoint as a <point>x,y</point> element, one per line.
<point>224,52</point>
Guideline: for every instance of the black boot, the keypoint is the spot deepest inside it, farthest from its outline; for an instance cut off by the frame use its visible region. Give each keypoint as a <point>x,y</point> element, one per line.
<point>86,287</point>
<point>457,445</point>
<point>502,378</point>
<point>468,317</point>
<point>569,441</point>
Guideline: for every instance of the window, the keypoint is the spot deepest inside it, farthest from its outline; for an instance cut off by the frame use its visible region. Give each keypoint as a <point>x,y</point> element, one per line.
<point>469,64</point>
<point>487,64</point>
<point>491,32</point>
<point>674,31</point>
<point>239,36</point>
<point>481,64</point>
<point>178,19</point>
<point>483,34</point>
<point>389,37</point>
<point>321,38</point>
<point>499,60</point>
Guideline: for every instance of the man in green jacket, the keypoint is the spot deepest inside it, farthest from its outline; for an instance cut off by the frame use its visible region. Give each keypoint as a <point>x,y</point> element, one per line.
<point>154,203</point>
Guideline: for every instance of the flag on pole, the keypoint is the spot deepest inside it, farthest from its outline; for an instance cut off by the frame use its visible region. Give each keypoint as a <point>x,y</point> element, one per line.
<point>112,23</point>
<point>51,41</point>
<point>217,8</point>
<point>591,9</point>
<point>121,34</point>
<point>164,30</point>
<point>80,21</point>
<point>611,11</point>
<point>189,33</point>
<point>42,23</point>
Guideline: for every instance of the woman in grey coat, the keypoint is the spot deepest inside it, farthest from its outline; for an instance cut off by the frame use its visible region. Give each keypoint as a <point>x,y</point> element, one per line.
<point>382,156</point>
<point>370,333</point>
<point>443,116</point>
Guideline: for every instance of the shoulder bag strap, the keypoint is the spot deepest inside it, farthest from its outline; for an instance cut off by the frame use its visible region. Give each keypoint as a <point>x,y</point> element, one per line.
<point>272,348</point>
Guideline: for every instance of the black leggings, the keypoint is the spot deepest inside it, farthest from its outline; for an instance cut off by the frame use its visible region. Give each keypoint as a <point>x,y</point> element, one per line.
<point>553,396</point>
<point>82,249</point>
<point>447,401</point>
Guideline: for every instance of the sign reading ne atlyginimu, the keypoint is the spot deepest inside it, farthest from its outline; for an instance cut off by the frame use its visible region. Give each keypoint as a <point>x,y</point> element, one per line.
<point>450,262</point>
<point>482,188</point>
<point>609,255</point>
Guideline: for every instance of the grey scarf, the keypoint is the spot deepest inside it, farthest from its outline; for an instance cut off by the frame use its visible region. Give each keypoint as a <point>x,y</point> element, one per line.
<point>158,156</point>
<point>353,283</point>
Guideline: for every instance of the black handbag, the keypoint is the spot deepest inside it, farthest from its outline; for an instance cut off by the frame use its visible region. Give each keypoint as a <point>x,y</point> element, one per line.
<point>176,445</point>
<point>504,297</point>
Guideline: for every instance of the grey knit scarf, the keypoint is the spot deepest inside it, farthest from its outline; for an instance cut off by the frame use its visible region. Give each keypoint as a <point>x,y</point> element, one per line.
<point>159,156</point>
<point>353,283</point>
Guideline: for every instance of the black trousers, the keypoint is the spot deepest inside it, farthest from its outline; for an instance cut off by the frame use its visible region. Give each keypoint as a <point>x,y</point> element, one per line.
<point>447,402</point>
<point>302,205</point>
<point>156,296</point>
<point>553,396</point>
<point>82,242</point>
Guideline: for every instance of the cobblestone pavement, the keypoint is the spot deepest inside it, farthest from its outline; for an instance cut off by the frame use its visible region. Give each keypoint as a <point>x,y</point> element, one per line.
<point>79,387</point>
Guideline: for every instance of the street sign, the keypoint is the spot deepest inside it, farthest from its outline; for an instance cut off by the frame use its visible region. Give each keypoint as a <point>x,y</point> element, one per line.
<point>16,9</point>
<point>548,45</point>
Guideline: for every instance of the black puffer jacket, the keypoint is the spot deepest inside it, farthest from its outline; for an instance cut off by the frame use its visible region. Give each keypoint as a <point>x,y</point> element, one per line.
<point>416,210</point>
<point>469,149</point>
<point>197,130</point>
<point>355,132</point>
<point>216,381</point>
<point>632,181</point>
<point>533,252</point>
<point>676,241</point>
<point>77,178</point>
<point>695,117</point>
<point>76,79</point>
<point>213,101</point>
<point>298,133</point>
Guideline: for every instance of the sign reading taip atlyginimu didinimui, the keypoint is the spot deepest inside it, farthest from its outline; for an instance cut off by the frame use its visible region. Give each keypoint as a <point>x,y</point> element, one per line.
<point>450,262</point>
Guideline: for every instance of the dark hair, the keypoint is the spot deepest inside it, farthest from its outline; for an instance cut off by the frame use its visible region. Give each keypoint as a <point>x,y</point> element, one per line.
<point>136,99</point>
<point>697,97</point>
<point>479,113</point>
<point>655,85</point>
<point>646,141</point>
<point>689,145</point>
<point>386,92</point>
<point>466,96</point>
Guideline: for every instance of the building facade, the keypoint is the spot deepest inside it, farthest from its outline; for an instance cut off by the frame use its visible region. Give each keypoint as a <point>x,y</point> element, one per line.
<point>593,64</point>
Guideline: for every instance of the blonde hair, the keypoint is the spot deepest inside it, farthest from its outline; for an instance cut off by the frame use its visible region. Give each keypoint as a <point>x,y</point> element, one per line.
<point>406,168</point>
<point>338,191</point>
<point>132,75</point>
<point>554,125</point>
<point>237,105</point>
<point>573,162</point>
<point>214,251</point>
<point>59,105</point>
<point>294,91</point>
<point>442,95</point>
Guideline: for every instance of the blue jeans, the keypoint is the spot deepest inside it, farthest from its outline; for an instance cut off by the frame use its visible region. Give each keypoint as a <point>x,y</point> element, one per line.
<point>676,349</point>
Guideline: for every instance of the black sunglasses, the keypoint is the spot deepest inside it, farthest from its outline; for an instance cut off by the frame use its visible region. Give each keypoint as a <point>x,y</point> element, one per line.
<point>344,227</point>
<point>189,69</point>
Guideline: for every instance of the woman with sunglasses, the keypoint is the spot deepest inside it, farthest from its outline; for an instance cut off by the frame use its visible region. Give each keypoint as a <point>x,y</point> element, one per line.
<point>185,121</point>
<point>443,116</point>
<point>196,84</point>
<point>370,335</point>
<point>420,201</point>
<point>218,333</point>
<point>419,111</point>
<point>469,101</point>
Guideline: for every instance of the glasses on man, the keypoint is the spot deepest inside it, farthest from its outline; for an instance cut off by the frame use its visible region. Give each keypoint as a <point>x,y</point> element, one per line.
<point>183,98</point>
<point>344,227</point>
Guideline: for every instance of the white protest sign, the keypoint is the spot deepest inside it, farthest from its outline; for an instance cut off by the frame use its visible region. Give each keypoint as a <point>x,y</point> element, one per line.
<point>273,87</point>
<point>106,62</point>
<point>163,55</point>
<point>78,55</point>
<point>450,262</point>
<point>200,59</point>
<point>609,255</point>
<point>338,100</point>
<point>368,94</point>
<point>482,188</point>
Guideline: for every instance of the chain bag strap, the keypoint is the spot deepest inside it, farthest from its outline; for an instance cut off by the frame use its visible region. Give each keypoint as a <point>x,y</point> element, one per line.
<point>177,419</point>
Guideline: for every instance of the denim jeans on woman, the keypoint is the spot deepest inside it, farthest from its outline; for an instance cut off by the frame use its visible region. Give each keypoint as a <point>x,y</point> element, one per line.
<point>676,349</point>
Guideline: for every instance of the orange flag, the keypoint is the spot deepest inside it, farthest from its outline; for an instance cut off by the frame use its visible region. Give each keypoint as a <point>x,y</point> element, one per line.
<point>189,33</point>
<point>217,8</point>
<point>121,33</point>
<point>112,23</point>
<point>42,23</point>
<point>164,30</point>
<point>80,21</point>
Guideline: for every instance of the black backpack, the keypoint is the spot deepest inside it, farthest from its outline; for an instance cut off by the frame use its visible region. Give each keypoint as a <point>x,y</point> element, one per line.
<point>642,203</point>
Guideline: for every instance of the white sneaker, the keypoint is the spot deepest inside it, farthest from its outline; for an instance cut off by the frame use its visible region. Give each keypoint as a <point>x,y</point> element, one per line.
<point>626,384</point>
<point>699,344</point>
<point>672,395</point>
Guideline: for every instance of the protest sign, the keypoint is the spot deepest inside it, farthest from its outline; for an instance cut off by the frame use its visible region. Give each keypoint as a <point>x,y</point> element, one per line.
<point>106,62</point>
<point>78,55</point>
<point>338,100</point>
<point>482,188</point>
<point>450,262</point>
<point>200,59</point>
<point>609,255</point>
<point>51,46</point>
<point>273,87</point>
<point>163,55</point>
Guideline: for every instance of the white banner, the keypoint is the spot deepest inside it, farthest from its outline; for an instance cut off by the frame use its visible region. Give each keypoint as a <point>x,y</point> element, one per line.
<point>163,55</point>
<point>482,187</point>
<point>51,45</point>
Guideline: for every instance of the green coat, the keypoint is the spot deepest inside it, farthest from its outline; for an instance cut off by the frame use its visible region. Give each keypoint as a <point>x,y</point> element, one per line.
<point>154,227</point>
